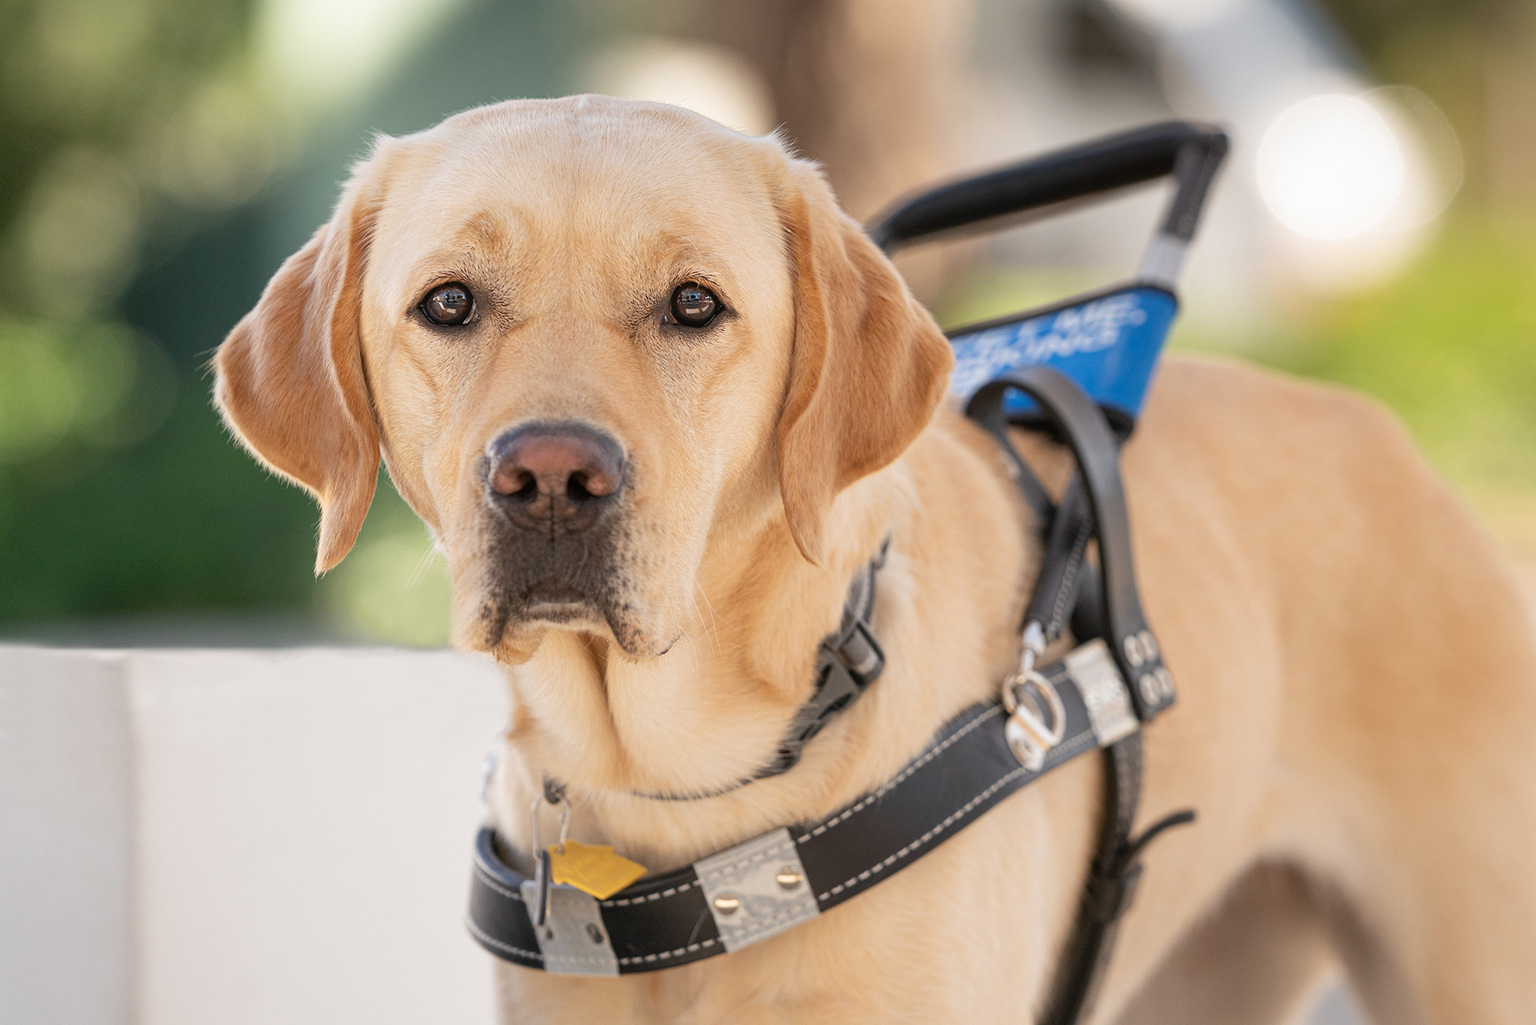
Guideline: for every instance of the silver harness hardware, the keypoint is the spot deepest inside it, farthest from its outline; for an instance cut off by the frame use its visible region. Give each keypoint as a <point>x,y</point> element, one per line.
<point>1036,720</point>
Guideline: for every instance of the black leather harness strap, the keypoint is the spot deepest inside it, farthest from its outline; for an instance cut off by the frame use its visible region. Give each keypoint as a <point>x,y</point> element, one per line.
<point>1093,504</point>
<point>786,877</point>
<point>1097,451</point>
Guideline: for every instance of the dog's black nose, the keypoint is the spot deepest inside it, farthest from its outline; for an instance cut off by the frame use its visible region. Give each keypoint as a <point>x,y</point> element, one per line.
<point>554,476</point>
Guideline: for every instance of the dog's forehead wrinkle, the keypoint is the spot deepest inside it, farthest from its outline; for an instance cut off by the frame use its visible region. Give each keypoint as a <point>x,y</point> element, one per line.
<point>488,226</point>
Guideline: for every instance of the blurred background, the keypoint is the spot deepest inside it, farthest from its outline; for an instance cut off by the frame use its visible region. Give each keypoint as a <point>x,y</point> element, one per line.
<point>1374,226</point>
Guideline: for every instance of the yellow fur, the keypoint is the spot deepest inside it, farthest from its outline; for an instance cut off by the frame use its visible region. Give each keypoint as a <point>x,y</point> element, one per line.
<point>1357,677</point>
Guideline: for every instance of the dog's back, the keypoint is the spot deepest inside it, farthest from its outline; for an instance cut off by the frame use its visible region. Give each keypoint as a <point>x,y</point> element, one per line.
<point>1358,694</point>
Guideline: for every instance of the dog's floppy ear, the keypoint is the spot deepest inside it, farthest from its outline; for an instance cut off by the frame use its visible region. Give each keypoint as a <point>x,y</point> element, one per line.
<point>290,379</point>
<point>869,364</point>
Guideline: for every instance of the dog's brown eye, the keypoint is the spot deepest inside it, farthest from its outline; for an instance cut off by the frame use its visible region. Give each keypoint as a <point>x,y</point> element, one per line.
<point>694,305</point>
<point>448,305</point>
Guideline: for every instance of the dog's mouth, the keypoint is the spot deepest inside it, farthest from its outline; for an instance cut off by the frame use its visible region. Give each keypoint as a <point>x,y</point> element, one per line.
<point>581,581</point>
<point>516,631</point>
<point>513,619</point>
<point>557,601</point>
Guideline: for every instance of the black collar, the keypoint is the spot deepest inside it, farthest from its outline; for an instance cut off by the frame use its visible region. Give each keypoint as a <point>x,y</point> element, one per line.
<point>1107,689</point>
<point>847,662</point>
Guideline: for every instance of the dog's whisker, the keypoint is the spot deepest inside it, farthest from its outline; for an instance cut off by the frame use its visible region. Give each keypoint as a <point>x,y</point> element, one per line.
<point>423,567</point>
<point>698,614</point>
<point>712,625</point>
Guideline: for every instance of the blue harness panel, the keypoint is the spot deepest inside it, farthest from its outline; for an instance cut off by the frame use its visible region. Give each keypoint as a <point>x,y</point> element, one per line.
<point>1108,343</point>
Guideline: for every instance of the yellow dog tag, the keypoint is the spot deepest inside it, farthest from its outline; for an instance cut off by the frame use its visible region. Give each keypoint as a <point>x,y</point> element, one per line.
<point>593,869</point>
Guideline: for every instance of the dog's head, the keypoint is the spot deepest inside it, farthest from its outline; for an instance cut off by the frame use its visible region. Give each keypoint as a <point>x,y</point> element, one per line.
<point>589,338</point>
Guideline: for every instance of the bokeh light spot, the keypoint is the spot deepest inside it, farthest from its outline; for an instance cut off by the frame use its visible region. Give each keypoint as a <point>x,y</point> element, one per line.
<point>1330,167</point>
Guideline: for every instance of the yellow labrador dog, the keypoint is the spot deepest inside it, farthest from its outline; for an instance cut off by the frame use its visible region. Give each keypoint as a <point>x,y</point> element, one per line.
<point>658,399</point>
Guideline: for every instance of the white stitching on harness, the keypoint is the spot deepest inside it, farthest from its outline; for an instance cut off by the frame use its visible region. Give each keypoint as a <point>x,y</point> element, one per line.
<point>668,892</point>
<point>935,831</point>
<point>689,949</point>
<point>1072,744</point>
<point>490,880</point>
<point>755,933</point>
<point>600,963</point>
<point>902,776</point>
<point>1058,608</point>
<point>493,941</point>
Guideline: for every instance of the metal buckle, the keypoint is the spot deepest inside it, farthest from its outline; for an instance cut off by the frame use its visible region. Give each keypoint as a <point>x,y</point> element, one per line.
<point>1030,698</point>
<point>1030,737</point>
<point>538,909</point>
<point>1104,692</point>
<point>572,938</point>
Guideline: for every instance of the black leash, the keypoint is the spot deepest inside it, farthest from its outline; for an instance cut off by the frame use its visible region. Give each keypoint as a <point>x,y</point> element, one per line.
<point>1098,696</point>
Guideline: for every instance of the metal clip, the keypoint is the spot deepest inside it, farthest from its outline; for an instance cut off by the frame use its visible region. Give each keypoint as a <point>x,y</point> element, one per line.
<point>1030,697</point>
<point>567,922</point>
<point>1032,647</point>
<point>539,912</point>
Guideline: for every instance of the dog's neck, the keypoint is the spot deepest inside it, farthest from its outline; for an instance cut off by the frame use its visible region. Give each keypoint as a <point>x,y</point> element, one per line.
<point>714,709</point>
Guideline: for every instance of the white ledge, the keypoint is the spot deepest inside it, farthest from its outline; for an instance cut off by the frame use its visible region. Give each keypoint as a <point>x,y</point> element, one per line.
<point>241,837</point>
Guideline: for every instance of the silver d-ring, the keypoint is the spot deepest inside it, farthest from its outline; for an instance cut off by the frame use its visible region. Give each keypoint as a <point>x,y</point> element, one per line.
<point>1029,737</point>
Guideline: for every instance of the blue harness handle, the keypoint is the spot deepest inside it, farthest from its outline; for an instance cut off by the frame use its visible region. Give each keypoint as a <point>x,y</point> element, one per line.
<point>1107,342</point>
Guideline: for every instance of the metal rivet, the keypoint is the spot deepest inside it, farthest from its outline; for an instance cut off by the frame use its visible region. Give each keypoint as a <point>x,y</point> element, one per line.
<point>727,903</point>
<point>1149,644</point>
<point>789,877</point>
<point>1148,687</point>
<point>1133,653</point>
<point>594,932</point>
<point>1165,682</point>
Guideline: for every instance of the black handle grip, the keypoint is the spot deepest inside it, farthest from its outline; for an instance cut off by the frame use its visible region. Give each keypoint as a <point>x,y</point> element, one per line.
<point>1192,152</point>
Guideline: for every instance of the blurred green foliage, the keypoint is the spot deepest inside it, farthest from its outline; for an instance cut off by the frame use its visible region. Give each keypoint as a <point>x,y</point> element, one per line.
<point>90,92</point>
<point>102,427</point>
<point>1463,55</point>
<point>1451,346</point>
<point>93,384</point>
<point>153,177</point>
<point>150,183</point>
